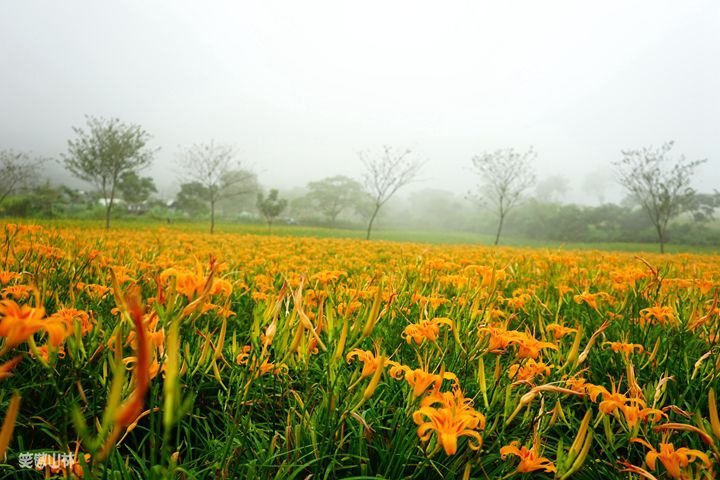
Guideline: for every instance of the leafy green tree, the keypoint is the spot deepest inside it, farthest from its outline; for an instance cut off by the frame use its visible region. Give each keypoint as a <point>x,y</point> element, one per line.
<point>135,190</point>
<point>46,197</point>
<point>192,199</point>
<point>660,186</point>
<point>702,206</point>
<point>41,201</point>
<point>216,169</point>
<point>104,152</point>
<point>271,207</point>
<point>332,195</point>
<point>506,175</point>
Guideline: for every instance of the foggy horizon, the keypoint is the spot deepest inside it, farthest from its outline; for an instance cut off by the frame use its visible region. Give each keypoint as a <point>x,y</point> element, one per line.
<point>300,89</point>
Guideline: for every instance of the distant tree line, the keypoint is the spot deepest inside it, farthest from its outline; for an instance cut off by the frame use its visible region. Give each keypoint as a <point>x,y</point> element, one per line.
<point>609,223</point>
<point>661,205</point>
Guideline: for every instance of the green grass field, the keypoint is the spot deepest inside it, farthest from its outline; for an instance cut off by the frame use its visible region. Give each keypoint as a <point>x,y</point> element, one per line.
<point>394,235</point>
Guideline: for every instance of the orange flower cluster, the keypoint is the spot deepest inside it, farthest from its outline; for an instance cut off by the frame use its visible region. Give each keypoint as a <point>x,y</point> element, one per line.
<point>425,330</point>
<point>449,415</point>
<point>528,346</point>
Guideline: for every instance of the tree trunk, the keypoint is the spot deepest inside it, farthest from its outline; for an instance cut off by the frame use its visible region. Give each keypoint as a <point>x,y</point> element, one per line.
<point>269,227</point>
<point>499,229</point>
<point>370,224</point>
<point>108,208</point>
<point>661,238</point>
<point>212,217</point>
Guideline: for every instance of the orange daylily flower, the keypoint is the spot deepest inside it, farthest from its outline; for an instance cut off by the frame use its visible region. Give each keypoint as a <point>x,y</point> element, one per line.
<point>450,416</point>
<point>612,401</point>
<point>370,361</point>
<point>530,347</point>
<point>7,277</point>
<point>94,290</point>
<point>244,356</point>
<point>17,292</point>
<point>419,379</point>
<point>591,299</point>
<point>528,371</point>
<point>269,367</point>
<point>57,331</point>
<point>580,385</point>
<point>674,461</point>
<point>635,410</point>
<point>221,286</point>
<point>500,338</point>
<point>530,459</point>
<point>518,300</point>
<point>559,331</point>
<point>329,276</point>
<point>188,284</point>
<point>70,316</point>
<point>425,330</point>
<point>626,348</point>
<point>44,351</point>
<point>18,323</point>
<point>660,314</point>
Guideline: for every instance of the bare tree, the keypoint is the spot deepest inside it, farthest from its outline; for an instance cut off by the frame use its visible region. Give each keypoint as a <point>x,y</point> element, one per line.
<point>17,170</point>
<point>215,168</point>
<point>385,173</point>
<point>506,175</point>
<point>105,152</point>
<point>662,190</point>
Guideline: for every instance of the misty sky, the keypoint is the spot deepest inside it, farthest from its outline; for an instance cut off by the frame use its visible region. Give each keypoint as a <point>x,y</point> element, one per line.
<point>299,87</point>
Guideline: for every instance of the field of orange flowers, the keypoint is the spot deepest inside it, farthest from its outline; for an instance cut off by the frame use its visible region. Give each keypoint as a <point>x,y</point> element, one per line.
<point>158,353</point>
